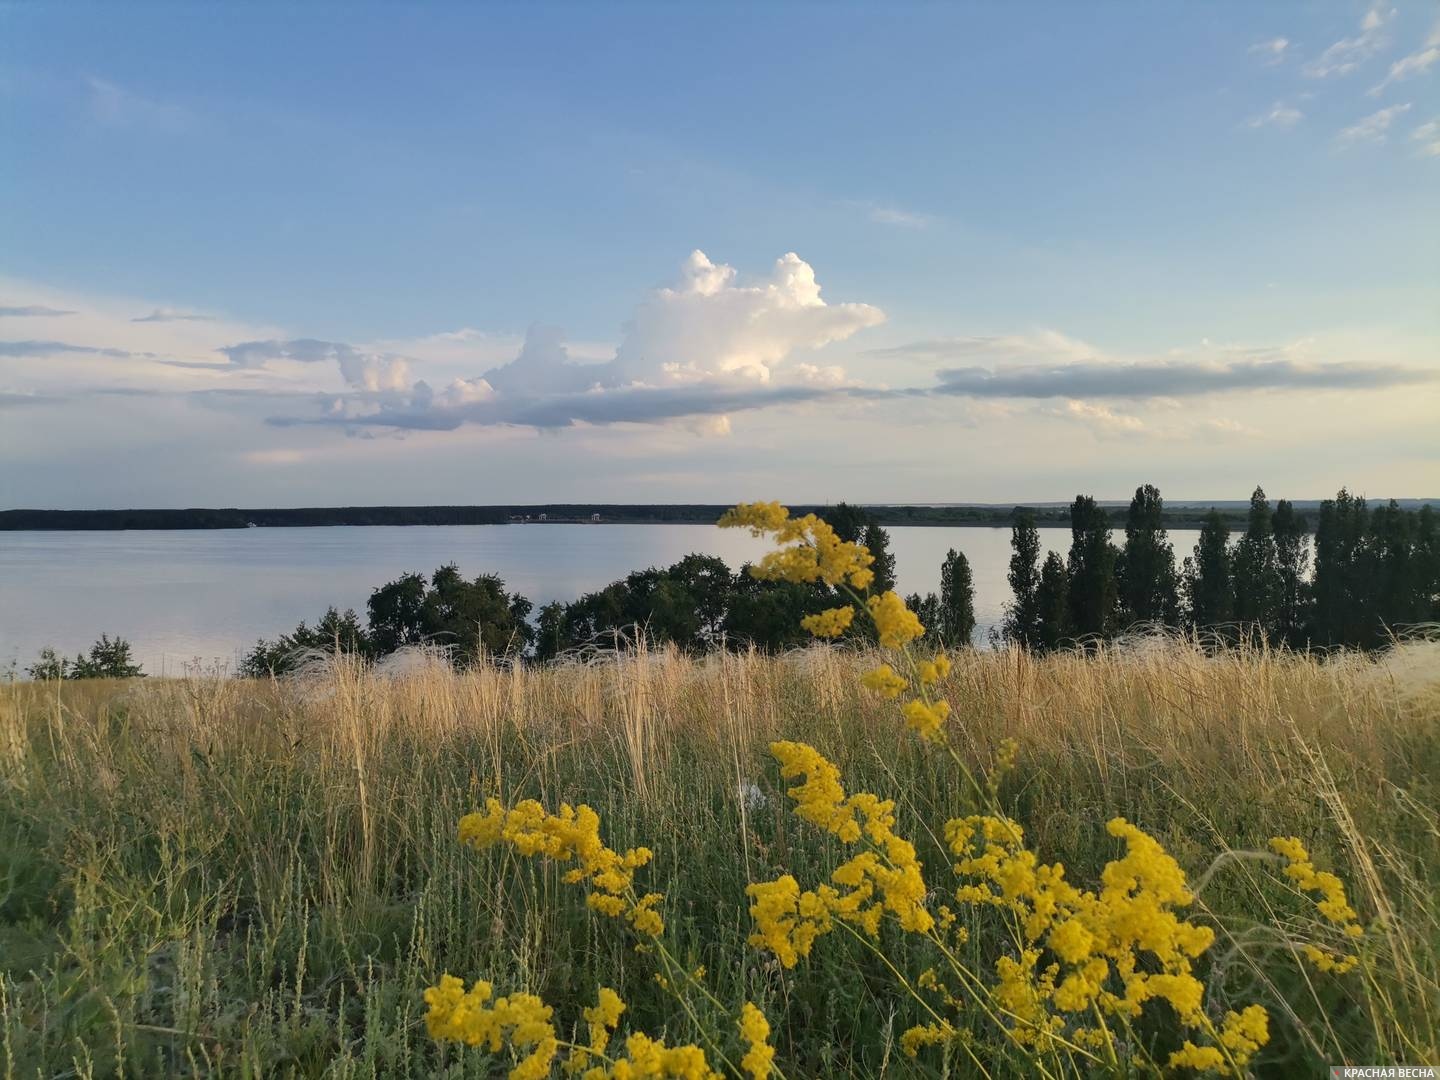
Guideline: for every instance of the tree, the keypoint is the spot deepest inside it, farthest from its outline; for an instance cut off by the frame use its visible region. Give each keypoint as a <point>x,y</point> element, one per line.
<point>1093,591</point>
<point>927,610</point>
<point>956,609</point>
<point>1146,567</point>
<point>1052,602</point>
<point>1427,554</point>
<point>108,659</point>
<point>49,666</point>
<point>1292,559</point>
<point>396,612</point>
<point>334,632</point>
<point>877,540</point>
<point>1022,617</point>
<point>1209,589</point>
<point>1257,570</point>
<point>848,521</point>
<point>474,618</point>
<point>1341,612</point>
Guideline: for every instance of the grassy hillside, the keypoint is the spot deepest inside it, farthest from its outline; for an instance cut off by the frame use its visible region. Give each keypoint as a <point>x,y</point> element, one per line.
<point>248,878</point>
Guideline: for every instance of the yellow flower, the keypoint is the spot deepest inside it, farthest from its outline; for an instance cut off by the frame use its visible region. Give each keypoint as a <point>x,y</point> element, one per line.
<point>883,681</point>
<point>571,835</point>
<point>815,552</point>
<point>519,1021</point>
<point>755,1030</point>
<point>896,624</point>
<point>926,720</point>
<point>830,623</point>
<point>921,1036</point>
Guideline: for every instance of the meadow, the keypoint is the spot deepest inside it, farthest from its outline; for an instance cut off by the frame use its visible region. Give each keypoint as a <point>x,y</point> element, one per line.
<point>216,876</point>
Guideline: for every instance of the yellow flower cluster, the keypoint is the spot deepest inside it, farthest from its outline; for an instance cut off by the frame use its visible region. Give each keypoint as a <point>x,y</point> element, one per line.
<point>519,1021</point>
<point>759,1054</point>
<point>883,681</point>
<point>896,624</point>
<point>602,1018</point>
<point>647,1057</point>
<point>1332,902</point>
<point>830,623</point>
<point>885,877</point>
<point>815,552</point>
<point>1240,1036</point>
<point>522,1023</point>
<point>573,834</point>
<point>1128,932</point>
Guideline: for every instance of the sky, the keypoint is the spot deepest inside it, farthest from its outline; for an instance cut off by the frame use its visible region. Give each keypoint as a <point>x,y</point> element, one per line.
<point>277,255</point>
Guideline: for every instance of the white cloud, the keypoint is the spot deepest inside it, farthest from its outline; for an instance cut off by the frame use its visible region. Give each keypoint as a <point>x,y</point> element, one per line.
<point>1373,128</point>
<point>115,106</point>
<point>1100,418</point>
<point>711,325</point>
<point>1280,115</point>
<point>1416,63</point>
<point>893,215</point>
<point>1272,51</point>
<point>1347,54</point>
<point>1426,138</point>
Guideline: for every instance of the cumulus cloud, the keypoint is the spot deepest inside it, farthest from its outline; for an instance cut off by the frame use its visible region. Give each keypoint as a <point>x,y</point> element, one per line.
<point>1347,54</point>
<point>36,311</point>
<point>1373,128</point>
<point>171,315</point>
<point>1279,115</point>
<point>710,325</point>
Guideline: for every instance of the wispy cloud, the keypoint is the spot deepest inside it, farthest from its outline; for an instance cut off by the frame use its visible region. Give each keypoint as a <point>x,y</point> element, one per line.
<point>116,106</point>
<point>906,219</point>
<point>10,399</point>
<point>1280,115</point>
<point>1271,52</point>
<point>1426,138</point>
<point>360,368</point>
<point>1347,54</point>
<point>1174,379</point>
<point>36,311</point>
<point>1099,418</point>
<point>171,315</point>
<point>1416,63</point>
<point>1373,128</point>
<point>25,349</point>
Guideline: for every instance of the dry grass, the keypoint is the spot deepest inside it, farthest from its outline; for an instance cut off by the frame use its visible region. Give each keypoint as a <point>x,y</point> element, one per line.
<point>213,875</point>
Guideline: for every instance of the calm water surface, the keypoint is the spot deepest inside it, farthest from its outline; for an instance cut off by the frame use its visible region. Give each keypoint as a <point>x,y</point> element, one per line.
<point>188,596</point>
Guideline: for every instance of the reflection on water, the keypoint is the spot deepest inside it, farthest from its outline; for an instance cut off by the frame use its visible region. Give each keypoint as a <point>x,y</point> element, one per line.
<point>182,596</point>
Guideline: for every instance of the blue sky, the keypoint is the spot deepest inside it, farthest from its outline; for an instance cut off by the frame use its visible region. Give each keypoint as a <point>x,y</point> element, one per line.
<point>1241,201</point>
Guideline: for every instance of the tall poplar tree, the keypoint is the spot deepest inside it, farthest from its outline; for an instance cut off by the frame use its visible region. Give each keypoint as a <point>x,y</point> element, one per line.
<point>1022,617</point>
<point>1146,566</point>
<point>1292,558</point>
<point>1052,601</point>
<point>1257,570</point>
<point>957,600</point>
<point>1209,585</point>
<point>1093,591</point>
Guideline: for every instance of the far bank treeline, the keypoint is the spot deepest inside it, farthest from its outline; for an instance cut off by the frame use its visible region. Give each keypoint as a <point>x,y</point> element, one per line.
<point>1373,572</point>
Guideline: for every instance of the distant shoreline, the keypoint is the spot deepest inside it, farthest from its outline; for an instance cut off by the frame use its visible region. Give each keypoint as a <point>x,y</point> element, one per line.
<point>1177,515</point>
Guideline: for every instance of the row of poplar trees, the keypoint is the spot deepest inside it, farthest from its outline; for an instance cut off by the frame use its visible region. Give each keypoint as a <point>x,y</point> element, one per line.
<point>1370,574</point>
